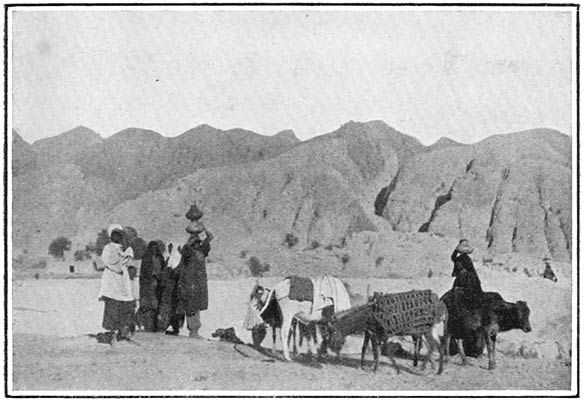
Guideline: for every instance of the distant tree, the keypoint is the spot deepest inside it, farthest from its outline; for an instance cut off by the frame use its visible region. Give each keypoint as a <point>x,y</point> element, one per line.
<point>314,244</point>
<point>290,240</point>
<point>345,259</point>
<point>90,248</point>
<point>256,267</point>
<point>58,247</point>
<point>81,255</point>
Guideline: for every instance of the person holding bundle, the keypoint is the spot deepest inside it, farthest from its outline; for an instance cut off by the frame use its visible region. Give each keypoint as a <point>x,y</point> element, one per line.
<point>116,287</point>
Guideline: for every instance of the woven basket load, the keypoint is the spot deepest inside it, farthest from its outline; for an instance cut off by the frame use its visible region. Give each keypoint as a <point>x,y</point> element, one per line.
<point>408,313</point>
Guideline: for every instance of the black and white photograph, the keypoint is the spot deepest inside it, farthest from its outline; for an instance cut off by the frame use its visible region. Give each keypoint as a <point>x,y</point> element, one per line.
<point>291,200</point>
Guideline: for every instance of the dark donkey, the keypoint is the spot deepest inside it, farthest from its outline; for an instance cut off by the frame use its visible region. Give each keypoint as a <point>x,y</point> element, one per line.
<point>414,313</point>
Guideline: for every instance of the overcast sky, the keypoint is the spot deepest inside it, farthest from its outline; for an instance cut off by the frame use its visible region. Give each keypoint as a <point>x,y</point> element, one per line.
<point>461,73</point>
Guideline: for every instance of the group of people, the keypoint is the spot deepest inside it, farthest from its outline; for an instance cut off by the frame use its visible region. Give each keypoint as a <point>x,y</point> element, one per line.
<point>167,297</point>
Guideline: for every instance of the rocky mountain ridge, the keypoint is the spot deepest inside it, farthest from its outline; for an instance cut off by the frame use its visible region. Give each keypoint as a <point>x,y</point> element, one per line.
<point>507,193</point>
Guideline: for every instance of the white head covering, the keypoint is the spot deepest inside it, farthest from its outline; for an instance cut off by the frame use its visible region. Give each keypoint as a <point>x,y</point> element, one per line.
<point>113,227</point>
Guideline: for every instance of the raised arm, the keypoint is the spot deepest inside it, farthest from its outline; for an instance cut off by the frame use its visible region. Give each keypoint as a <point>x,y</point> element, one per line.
<point>208,234</point>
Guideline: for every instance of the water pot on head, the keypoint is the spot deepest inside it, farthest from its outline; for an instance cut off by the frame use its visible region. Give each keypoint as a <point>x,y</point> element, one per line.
<point>194,213</point>
<point>464,247</point>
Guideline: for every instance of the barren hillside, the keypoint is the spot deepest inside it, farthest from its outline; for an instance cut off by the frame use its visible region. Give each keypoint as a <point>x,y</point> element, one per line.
<point>508,194</point>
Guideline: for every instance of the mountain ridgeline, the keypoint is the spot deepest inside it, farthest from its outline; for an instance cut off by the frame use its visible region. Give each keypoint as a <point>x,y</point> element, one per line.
<point>507,193</point>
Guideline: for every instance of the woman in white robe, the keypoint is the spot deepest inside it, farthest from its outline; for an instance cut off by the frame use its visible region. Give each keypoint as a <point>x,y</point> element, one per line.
<point>116,286</point>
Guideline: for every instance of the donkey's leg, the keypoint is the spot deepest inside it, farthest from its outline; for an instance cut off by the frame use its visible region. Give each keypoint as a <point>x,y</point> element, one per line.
<point>312,338</point>
<point>323,349</point>
<point>366,338</point>
<point>292,335</point>
<point>273,338</point>
<point>286,323</point>
<point>446,345</point>
<point>433,342</point>
<point>289,311</point>
<point>375,346</point>
<point>417,346</point>
<point>438,334</point>
<point>490,335</point>
<point>461,350</point>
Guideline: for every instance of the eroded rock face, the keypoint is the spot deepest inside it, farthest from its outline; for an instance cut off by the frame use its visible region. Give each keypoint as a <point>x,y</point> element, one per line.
<point>321,191</point>
<point>508,193</point>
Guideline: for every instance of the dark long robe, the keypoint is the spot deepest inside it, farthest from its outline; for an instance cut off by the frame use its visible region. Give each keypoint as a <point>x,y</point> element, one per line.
<point>150,286</point>
<point>167,312</point>
<point>193,293</point>
<point>465,273</point>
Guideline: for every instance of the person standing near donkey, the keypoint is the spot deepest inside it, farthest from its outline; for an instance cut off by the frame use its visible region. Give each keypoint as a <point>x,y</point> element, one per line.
<point>193,294</point>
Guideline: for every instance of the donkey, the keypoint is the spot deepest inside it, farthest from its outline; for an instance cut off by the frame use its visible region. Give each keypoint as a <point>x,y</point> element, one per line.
<point>363,320</point>
<point>304,311</point>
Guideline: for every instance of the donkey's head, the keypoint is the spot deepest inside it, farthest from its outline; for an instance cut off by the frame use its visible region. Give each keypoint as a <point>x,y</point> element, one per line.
<point>259,295</point>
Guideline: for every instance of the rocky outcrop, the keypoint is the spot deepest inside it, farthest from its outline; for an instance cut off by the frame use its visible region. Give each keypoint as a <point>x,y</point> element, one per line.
<point>508,193</point>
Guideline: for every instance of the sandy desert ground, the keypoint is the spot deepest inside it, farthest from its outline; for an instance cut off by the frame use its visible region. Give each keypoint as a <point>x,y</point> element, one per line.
<point>50,352</point>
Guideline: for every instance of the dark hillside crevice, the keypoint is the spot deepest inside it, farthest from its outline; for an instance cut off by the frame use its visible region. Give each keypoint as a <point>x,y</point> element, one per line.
<point>383,195</point>
<point>440,201</point>
<point>494,210</point>
<point>514,240</point>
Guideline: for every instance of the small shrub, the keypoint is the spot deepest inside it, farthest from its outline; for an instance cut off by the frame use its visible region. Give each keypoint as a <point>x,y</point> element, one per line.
<point>514,270</point>
<point>41,264</point>
<point>243,254</point>
<point>81,255</point>
<point>345,259</point>
<point>91,248</point>
<point>430,273</point>
<point>379,261</point>
<point>256,267</point>
<point>58,247</point>
<point>290,240</point>
<point>527,273</point>
<point>329,247</point>
<point>314,244</point>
